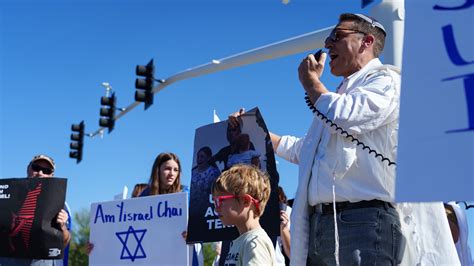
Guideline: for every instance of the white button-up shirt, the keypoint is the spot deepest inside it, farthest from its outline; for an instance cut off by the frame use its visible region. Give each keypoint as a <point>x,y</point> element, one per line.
<point>366,105</point>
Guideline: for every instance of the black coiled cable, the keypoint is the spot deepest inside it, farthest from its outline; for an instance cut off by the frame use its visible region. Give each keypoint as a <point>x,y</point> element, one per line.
<point>345,133</point>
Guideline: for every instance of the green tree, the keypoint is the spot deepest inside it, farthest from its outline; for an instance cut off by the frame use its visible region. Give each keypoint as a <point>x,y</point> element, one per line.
<point>209,252</point>
<point>80,237</point>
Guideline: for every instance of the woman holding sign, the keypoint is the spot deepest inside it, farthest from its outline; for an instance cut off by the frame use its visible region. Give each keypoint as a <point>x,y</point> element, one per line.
<point>165,178</point>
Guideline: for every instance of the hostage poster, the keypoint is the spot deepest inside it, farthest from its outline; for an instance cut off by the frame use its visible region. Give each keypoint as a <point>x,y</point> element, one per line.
<point>217,147</point>
<point>28,210</point>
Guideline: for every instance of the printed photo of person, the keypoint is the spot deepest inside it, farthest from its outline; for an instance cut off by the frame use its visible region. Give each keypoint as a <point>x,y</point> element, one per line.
<point>203,176</point>
<point>233,132</point>
<point>243,154</point>
<point>217,147</point>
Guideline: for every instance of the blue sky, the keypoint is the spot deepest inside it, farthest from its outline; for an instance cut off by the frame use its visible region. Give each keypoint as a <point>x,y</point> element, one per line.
<point>56,54</point>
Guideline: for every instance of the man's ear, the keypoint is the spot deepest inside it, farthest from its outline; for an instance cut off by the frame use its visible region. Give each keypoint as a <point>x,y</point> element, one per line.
<point>368,40</point>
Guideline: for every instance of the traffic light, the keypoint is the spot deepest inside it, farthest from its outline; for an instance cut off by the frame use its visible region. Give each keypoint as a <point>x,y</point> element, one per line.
<point>77,141</point>
<point>144,86</point>
<point>107,112</point>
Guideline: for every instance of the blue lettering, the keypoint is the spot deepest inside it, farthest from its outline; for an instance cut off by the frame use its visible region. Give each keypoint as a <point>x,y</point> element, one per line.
<point>168,211</point>
<point>109,218</point>
<point>121,211</point>
<point>99,213</point>
<point>149,215</point>
<point>469,91</point>
<point>132,216</point>
<point>466,4</point>
<point>138,217</point>
<point>451,48</point>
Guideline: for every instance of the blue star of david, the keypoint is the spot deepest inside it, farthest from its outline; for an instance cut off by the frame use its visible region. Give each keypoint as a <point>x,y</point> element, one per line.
<point>138,238</point>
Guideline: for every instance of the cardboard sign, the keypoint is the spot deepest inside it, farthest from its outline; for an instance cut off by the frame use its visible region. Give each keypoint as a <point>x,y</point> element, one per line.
<point>436,138</point>
<point>28,210</point>
<point>215,151</point>
<point>139,231</point>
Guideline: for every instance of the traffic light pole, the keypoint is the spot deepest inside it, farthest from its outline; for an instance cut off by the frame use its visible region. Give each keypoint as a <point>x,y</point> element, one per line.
<point>390,12</point>
<point>298,44</point>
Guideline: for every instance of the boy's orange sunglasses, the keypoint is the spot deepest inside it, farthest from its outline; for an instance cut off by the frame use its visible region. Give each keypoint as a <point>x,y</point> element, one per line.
<point>219,199</point>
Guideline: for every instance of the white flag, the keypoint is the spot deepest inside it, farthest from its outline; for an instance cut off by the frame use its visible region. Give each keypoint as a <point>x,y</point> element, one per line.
<point>216,118</point>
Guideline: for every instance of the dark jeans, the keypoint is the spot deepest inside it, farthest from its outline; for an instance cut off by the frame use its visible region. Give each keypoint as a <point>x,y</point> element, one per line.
<point>367,236</point>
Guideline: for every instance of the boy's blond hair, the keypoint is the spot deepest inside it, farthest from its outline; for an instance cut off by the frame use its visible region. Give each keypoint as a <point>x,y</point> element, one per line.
<point>243,179</point>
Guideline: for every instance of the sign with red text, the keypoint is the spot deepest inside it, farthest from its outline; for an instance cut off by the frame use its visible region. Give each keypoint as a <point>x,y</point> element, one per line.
<point>28,210</point>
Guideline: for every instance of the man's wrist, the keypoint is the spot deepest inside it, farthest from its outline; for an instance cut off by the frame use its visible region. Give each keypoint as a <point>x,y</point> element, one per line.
<point>315,90</point>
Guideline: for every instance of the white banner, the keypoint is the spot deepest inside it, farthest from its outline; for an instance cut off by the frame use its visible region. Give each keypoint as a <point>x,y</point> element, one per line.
<point>436,138</point>
<point>139,231</point>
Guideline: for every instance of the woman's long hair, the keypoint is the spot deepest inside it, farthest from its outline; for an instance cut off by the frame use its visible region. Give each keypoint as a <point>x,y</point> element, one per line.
<point>155,174</point>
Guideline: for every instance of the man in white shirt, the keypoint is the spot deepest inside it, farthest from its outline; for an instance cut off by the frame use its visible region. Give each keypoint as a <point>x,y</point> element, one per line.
<point>333,167</point>
<point>343,213</point>
<point>347,158</point>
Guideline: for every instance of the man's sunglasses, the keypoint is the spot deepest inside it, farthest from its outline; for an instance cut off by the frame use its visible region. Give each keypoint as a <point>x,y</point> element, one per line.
<point>219,199</point>
<point>335,34</point>
<point>45,170</point>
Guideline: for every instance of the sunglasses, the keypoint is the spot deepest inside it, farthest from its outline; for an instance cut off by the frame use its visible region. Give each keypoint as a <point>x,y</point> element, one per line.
<point>45,170</point>
<point>219,199</point>
<point>335,34</point>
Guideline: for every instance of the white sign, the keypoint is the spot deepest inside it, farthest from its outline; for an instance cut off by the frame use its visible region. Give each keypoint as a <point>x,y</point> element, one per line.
<point>139,231</point>
<point>436,138</point>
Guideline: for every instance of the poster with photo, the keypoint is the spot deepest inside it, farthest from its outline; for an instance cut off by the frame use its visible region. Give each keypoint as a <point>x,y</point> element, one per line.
<point>28,210</point>
<point>217,147</point>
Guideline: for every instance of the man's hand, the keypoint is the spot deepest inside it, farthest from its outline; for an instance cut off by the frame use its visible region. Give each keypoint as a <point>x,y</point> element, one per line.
<point>234,122</point>
<point>62,218</point>
<point>234,118</point>
<point>309,73</point>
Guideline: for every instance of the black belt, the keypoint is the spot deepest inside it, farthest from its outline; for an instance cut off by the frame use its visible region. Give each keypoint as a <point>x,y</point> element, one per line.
<point>327,208</point>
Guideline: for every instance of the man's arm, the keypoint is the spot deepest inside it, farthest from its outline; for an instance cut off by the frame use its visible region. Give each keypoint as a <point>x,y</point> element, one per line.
<point>275,140</point>
<point>309,73</point>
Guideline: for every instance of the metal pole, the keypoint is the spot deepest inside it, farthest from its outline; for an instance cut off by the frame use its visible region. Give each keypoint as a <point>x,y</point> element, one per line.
<point>294,45</point>
<point>391,13</point>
